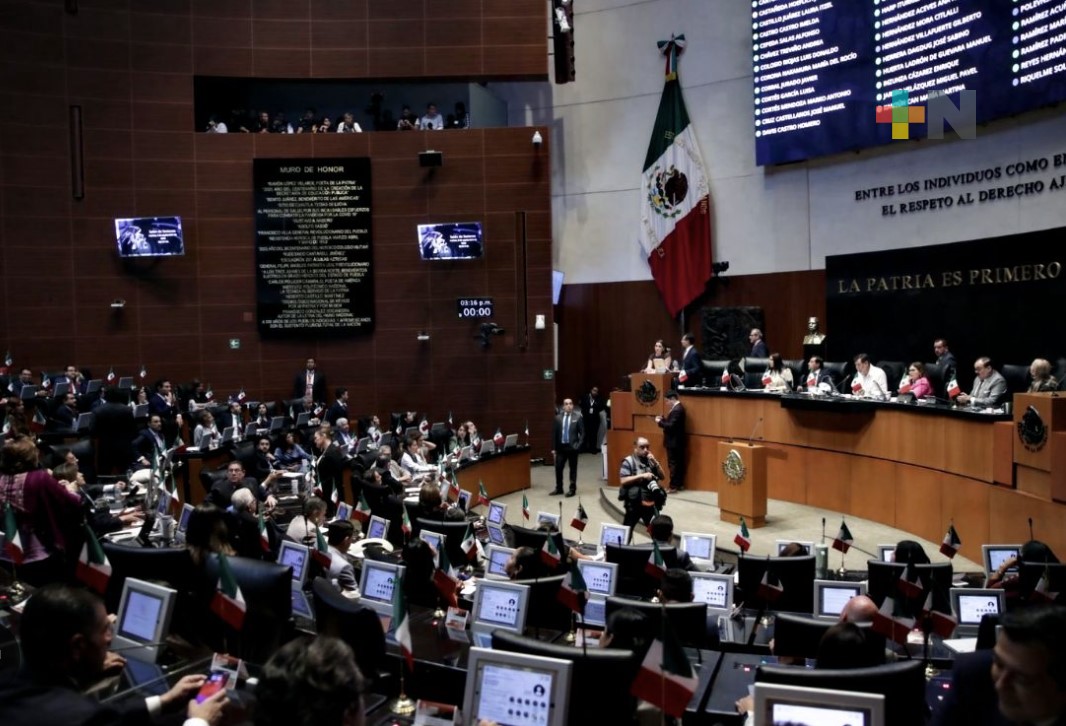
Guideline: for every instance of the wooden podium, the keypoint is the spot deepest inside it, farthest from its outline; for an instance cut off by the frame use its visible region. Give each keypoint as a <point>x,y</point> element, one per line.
<point>649,392</point>
<point>744,496</point>
<point>1040,444</point>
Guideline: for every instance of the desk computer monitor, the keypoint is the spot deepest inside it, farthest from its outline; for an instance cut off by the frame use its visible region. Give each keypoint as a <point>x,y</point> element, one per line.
<point>84,422</point>
<point>500,605</point>
<point>143,623</point>
<point>301,605</point>
<point>60,390</point>
<point>970,605</point>
<point>715,590</point>
<point>886,552</point>
<point>435,540</point>
<point>344,511</point>
<point>227,435</point>
<point>466,453</point>
<point>995,555</point>
<point>377,528</point>
<point>376,584</point>
<point>510,442</point>
<point>183,518</point>
<point>488,446</point>
<point>700,547</point>
<point>496,566</point>
<point>125,383</point>
<point>781,544</point>
<point>295,555</point>
<point>464,500</point>
<point>94,386</point>
<point>499,680</point>
<point>830,597</point>
<point>303,419</point>
<point>251,429</point>
<point>277,423</point>
<point>497,513</point>
<point>140,411</point>
<point>595,615</point>
<point>778,704</point>
<point>613,534</point>
<point>496,535</point>
<point>552,519</point>
<point>600,577</point>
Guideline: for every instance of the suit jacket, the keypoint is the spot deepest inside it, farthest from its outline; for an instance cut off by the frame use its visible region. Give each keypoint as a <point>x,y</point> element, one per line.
<point>145,444</point>
<point>673,426</point>
<point>692,366</point>
<point>948,365</point>
<point>990,391</point>
<point>27,702</point>
<point>64,416</point>
<point>592,406</point>
<point>331,470</point>
<point>336,411</point>
<point>318,387</point>
<point>221,494</point>
<point>158,405</point>
<point>576,434</point>
<point>759,349</point>
<point>341,570</point>
<point>820,376</point>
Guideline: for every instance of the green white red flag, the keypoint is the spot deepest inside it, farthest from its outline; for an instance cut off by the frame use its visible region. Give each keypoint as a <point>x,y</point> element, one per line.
<point>665,678</point>
<point>228,602</point>
<point>400,623</point>
<point>94,569</point>
<point>12,538</point>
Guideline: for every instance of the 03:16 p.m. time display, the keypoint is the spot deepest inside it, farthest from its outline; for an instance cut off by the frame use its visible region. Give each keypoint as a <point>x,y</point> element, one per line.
<point>474,307</point>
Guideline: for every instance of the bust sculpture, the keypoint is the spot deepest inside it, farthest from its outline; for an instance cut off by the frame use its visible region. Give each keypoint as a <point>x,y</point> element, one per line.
<point>813,336</point>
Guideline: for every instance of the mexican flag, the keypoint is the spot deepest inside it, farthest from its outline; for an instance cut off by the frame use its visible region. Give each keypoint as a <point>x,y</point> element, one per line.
<point>362,510</point>
<point>549,553</point>
<point>770,588</point>
<point>111,374</point>
<point>320,552</point>
<point>1042,592</point>
<point>399,620</point>
<point>228,602</point>
<point>469,544</point>
<point>675,225</point>
<point>812,380</point>
<point>953,388</point>
<point>264,538</point>
<point>655,566</point>
<point>12,538</point>
<point>843,539</point>
<point>444,579</point>
<point>482,494</point>
<point>525,507</point>
<point>951,543</point>
<point>581,518</point>
<point>893,628</point>
<point>743,538</point>
<point>943,624</point>
<point>905,384</point>
<point>335,495</point>
<point>911,588</point>
<point>665,678</point>
<point>93,569</point>
<point>405,523</point>
<point>574,591</point>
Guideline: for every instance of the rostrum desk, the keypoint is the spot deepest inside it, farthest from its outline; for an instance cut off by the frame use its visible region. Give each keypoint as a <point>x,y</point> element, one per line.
<point>913,467</point>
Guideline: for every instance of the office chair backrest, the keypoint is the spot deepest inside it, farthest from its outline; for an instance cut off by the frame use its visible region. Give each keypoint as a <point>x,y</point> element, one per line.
<point>352,622</point>
<point>689,619</point>
<point>633,578</point>
<point>267,591</point>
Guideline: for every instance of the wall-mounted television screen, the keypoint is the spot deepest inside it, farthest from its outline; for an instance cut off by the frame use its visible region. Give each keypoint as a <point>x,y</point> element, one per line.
<point>149,237</point>
<point>459,241</point>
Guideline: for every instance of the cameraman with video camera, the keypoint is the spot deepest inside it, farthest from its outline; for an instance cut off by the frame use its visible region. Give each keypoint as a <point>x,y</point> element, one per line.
<point>641,490</point>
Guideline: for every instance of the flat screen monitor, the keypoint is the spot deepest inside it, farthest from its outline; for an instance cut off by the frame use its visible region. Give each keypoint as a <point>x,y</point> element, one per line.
<point>301,605</point>
<point>781,544</point>
<point>595,614</point>
<point>163,504</point>
<point>376,584</point>
<point>378,528</point>
<point>344,511</point>
<point>453,241</point>
<point>61,390</point>
<point>497,513</point>
<point>995,555</point>
<point>830,597</point>
<point>779,704</point>
<point>94,386</point>
<point>500,605</point>
<point>183,520</point>
<point>715,590</point>
<point>488,446</point>
<point>886,552</point>
<point>516,689</point>
<point>84,422</point>
<point>251,429</point>
<point>149,237</point>
<point>435,540</point>
<point>140,411</point>
<point>303,419</point>
<point>295,555</point>
<point>143,622</point>
<point>496,535</point>
<point>613,534</point>
<point>970,605</point>
<point>600,577</point>
<point>125,383</point>
<point>699,546</point>
<point>496,566</point>
<point>277,423</point>
<point>552,519</point>
<point>510,442</point>
<point>464,500</point>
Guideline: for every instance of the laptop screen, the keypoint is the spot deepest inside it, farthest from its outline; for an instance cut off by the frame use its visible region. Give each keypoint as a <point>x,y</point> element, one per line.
<point>497,564</point>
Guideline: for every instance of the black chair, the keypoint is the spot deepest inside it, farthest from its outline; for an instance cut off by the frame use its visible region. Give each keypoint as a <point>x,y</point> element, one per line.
<point>172,567</point>
<point>590,670</point>
<point>838,371</point>
<point>798,636</point>
<point>544,609</point>
<point>894,371</point>
<point>688,619</point>
<point>453,545</point>
<point>633,579</point>
<point>884,581</point>
<point>1017,378</point>
<point>267,591</point>
<point>352,622</point>
<point>753,370</point>
<point>935,373</point>
<point>901,683</point>
<point>799,371</point>
<point>712,371</point>
<point>795,575</point>
<point>1029,576</point>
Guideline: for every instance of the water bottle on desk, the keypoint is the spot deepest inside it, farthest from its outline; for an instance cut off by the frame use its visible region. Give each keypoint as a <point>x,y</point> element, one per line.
<point>821,561</point>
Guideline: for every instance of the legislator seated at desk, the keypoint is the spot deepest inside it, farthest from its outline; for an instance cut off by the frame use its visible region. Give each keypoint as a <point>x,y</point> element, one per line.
<point>869,380</point>
<point>989,387</point>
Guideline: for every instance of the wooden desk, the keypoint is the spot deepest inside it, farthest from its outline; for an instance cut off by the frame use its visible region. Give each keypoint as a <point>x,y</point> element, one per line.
<point>911,467</point>
<point>500,473</point>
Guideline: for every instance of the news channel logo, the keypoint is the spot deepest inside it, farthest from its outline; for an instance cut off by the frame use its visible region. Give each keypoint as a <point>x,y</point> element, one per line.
<point>937,111</point>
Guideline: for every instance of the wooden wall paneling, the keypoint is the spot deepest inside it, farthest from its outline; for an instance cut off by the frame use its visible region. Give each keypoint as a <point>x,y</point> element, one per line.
<point>829,478</point>
<point>966,500</point>
<point>1009,519</point>
<point>1033,481</point>
<point>784,467</point>
<point>960,456</point>
<point>874,491</point>
<point>918,505</point>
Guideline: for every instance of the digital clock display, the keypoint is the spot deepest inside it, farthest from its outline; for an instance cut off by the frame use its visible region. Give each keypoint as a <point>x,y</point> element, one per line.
<point>474,307</point>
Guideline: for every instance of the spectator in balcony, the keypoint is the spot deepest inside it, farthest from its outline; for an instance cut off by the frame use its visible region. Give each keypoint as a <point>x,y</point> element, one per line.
<point>260,126</point>
<point>461,117</point>
<point>306,124</point>
<point>349,126</point>
<point>324,127</point>
<point>214,126</point>
<point>279,125</point>
<point>432,121</point>
<point>408,121</point>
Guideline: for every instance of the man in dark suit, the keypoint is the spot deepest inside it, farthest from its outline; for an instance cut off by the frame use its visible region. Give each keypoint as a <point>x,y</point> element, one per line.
<point>66,413</point>
<point>233,417</point>
<point>816,374</point>
<point>115,428</point>
<point>339,409</point>
<point>1021,681</point>
<point>673,426</point>
<point>221,494</point>
<point>592,405</point>
<point>945,359</point>
<point>151,442</point>
<point>567,435</point>
<point>66,635</point>
<point>691,365</point>
<point>329,467</point>
<point>309,382</point>
<point>758,345</point>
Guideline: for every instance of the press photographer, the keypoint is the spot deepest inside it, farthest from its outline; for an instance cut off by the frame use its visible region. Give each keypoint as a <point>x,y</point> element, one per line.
<point>641,489</point>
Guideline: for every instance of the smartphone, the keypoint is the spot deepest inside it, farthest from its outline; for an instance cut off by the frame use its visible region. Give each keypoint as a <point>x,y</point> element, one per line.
<point>214,683</point>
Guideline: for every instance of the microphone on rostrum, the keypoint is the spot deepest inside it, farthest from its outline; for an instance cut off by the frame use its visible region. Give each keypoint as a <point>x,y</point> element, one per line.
<point>841,386</point>
<point>1031,537</point>
<point>753,430</point>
